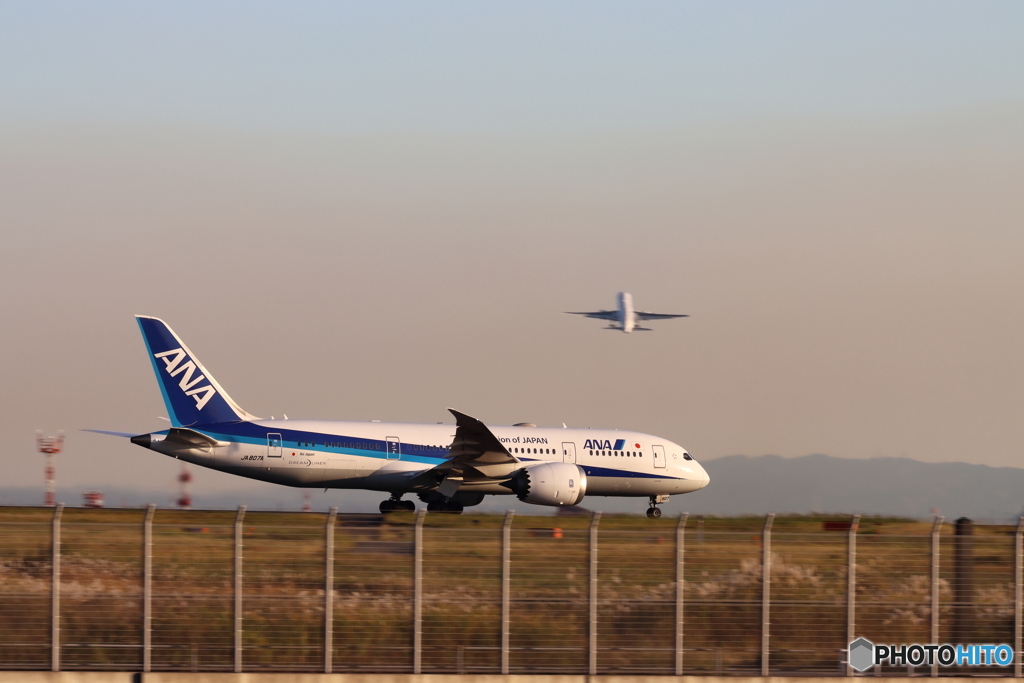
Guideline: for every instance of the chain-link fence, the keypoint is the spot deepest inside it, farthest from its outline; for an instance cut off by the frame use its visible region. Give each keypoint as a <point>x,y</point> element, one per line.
<point>170,590</point>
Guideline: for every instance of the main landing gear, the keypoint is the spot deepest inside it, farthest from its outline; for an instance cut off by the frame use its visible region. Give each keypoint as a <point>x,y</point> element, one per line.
<point>396,504</point>
<point>444,506</point>
<point>436,502</point>
<point>654,511</point>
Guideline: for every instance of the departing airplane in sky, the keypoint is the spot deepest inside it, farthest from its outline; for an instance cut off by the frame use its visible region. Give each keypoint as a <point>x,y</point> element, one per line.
<point>625,317</point>
<point>446,466</point>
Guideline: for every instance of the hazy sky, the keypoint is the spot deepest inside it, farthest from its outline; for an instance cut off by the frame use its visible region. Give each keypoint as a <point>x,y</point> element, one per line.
<point>375,211</point>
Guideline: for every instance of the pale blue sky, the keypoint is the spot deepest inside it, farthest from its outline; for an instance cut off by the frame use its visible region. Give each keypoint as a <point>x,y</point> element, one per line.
<point>507,67</point>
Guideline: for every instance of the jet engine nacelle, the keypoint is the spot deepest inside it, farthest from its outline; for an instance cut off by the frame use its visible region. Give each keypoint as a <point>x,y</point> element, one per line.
<point>551,483</point>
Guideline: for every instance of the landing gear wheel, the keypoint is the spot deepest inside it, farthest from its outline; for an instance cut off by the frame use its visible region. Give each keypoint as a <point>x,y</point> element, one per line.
<point>395,504</point>
<point>654,513</point>
<point>444,506</point>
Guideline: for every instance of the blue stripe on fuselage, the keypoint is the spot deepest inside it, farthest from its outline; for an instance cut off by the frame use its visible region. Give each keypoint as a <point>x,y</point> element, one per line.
<point>629,474</point>
<point>253,434</point>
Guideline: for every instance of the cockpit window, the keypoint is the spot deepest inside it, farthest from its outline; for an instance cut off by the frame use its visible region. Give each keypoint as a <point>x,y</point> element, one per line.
<point>686,456</point>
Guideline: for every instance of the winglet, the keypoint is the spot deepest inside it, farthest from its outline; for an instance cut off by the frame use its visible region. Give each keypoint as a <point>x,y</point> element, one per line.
<point>475,442</point>
<point>463,420</point>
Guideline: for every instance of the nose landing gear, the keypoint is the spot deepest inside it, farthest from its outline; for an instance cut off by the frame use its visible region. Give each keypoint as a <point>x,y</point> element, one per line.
<point>396,504</point>
<point>654,511</point>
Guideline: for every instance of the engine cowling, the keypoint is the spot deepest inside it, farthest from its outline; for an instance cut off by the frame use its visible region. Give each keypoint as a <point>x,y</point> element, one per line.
<point>551,483</point>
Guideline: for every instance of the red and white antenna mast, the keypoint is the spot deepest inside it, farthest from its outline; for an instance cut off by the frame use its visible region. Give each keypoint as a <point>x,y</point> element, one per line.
<point>185,500</point>
<point>51,446</point>
<point>307,501</point>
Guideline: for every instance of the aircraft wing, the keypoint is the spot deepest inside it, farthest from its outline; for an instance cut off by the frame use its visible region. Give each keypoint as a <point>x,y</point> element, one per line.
<point>476,455</point>
<point>644,315</point>
<point>600,315</point>
<point>475,445</point>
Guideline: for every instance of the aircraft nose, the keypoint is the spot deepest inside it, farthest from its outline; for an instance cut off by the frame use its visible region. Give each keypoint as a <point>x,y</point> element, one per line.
<point>706,479</point>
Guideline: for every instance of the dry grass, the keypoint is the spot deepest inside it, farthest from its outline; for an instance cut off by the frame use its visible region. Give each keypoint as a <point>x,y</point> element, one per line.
<point>284,590</point>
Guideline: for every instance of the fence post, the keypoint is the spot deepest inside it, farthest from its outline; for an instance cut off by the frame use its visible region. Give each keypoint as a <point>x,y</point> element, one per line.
<point>417,594</point>
<point>147,589</point>
<point>506,578</point>
<point>936,550</point>
<point>766,587</point>
<point>55,592</point>
<point>851,590</point>
<point>238,588</point>
<point>1018,597</point>
<point>594,521</point>
<point>329,592</point>
<point>963,588</point>
<point>680,538</point>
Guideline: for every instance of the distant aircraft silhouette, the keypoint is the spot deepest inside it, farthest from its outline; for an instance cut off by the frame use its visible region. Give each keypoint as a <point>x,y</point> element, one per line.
<point>625,318</point>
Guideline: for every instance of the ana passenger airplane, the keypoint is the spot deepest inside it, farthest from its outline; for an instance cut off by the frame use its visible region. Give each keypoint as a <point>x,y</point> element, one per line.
<point>625,317</point>
<point>447,467</point>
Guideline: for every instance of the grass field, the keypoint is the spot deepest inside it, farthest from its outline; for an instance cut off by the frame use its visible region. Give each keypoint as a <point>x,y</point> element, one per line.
<point>284,591</point>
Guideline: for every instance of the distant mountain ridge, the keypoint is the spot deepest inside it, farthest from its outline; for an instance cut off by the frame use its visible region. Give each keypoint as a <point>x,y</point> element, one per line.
<point>878,486</point>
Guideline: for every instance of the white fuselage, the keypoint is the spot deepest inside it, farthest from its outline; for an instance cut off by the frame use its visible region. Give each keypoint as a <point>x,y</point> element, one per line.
<point>627,317</point>
<point>385,456</point>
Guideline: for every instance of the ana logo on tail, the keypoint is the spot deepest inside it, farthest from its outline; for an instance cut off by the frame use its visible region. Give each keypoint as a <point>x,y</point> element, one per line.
<point>172,363</point>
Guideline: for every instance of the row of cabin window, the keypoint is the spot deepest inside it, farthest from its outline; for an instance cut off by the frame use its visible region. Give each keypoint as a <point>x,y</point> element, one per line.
<point>363,446</point>
<point>628,454</point>
<point>545,451</point>
<point>551,451</point>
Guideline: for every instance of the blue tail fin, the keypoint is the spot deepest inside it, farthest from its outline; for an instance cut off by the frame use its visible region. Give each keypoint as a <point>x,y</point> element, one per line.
<point>191,394</point>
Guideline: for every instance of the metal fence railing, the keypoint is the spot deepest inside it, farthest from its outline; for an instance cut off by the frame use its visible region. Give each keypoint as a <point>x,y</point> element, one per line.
<point>174,590</point>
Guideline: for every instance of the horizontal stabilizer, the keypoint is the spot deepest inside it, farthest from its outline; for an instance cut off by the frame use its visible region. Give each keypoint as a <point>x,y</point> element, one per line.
<point>126,435</point>
<point>190,437</point>
<point>178,438</point>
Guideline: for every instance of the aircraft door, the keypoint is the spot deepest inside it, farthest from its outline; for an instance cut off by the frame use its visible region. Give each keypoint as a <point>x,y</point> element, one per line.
<point>394,445</point>
<point>569,452</point>
<point>274,445</point>
<point>659,456</point>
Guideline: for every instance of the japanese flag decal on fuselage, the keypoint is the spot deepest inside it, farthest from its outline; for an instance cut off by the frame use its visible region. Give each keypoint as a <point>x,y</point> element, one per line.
<point>191,394</point>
